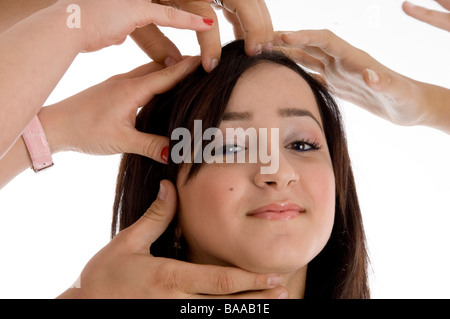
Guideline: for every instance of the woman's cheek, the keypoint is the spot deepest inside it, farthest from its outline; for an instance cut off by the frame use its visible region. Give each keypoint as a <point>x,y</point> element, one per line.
<point>210,194</point>
<point>323,191</point>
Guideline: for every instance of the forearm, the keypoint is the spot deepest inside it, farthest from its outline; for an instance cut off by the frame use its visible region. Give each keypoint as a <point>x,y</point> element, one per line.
<point>35,53</point>
<point>14,162</point>
<point>439,107</point>
<point>13,11</point>
<point>18,159</point>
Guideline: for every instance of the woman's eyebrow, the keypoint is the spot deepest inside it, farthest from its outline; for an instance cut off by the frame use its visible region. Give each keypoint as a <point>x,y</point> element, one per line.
<point>237,116</point>
<point>296,112</point>
<point>285,112</point>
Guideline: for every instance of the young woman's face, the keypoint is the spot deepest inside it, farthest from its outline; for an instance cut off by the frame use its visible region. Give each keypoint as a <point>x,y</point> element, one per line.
<point>232,213</point>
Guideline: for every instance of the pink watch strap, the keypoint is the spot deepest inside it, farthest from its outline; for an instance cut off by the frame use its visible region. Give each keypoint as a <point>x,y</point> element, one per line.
<point>37,145</point>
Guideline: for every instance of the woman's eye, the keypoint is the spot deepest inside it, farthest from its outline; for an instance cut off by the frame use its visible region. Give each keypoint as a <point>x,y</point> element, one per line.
<point>303,146</point>
<point>230,149</point>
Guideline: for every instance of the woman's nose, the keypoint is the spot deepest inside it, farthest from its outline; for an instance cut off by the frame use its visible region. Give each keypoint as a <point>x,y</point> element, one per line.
<point>285,176</point>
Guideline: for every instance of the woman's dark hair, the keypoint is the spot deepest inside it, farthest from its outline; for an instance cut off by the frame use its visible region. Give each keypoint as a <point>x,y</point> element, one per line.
<point>340,269</point>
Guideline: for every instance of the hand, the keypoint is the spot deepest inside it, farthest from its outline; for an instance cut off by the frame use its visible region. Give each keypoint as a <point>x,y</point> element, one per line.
<point>46,37</point>
<point>436,18</point>
<point>108,22</point>
<point>126,269</point>
<point>250,19</point>
<point>355,76</point>
<point>101,119</point>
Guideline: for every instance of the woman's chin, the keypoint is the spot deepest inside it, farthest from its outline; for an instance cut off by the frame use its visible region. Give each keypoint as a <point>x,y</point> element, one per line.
<point>273,267</point>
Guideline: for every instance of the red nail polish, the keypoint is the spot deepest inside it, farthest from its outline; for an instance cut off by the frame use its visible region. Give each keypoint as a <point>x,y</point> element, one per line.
<point>208,21</point>
<point>165,154</point>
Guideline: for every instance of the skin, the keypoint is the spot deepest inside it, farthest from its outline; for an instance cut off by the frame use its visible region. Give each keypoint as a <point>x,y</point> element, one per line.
<point>250,20</point>
<point>101,119</point>
<point>357,77</point>
<point>33,22</point>
<point>21,65</point>
<point>215,202</point>
<point>439,19</point>
<point>126,262</point>
<point>151,227</point>
<point>116,133</point>
<point>125,268</point>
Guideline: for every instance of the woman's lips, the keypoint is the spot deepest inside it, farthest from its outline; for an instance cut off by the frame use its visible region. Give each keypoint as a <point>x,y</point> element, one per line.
<point>277,211</point>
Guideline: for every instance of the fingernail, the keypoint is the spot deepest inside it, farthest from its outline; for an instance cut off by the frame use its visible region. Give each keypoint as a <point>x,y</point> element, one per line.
<point>207,21</point>
<point>165,154</point>
<point>274,281</point>
<point>373,76</point>
<point>214,64</point>
<point>162,194</point>
<point>284,295</point>
<point>169,61</point>
<point>258,49</point>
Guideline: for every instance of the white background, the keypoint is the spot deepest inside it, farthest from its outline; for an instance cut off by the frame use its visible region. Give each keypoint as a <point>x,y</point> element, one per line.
<point>53,223</point>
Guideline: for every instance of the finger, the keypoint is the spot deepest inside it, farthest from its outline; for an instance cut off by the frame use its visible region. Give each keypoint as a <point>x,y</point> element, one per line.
<point>303,58</point>
<point>218,280</point>
<point>209,41</point>
<point>316,56</point>
<point>159,82</point>
<point>319,55</point>
<point>140,71</point>
<point>277,38</point>
<point>325,40</point>
<point>156,45</point>
<point>237,28</point>
<point>276,293</point>
<point>322,80</point>
<point>307,61</point>
<point>435,18</point>
<point>268,26</point>
<point>252,22</point>
<point>149,145</point>
<point>169,17</point>
<point>149,227</point>
<point>297,54</point>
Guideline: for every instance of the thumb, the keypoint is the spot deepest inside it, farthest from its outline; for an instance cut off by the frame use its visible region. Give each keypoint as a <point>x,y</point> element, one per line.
<point>149,145</point>
<point>146,87</point>
<point>147,229</point>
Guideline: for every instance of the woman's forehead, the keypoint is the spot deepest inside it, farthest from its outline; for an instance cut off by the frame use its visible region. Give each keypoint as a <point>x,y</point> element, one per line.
<point>268,87</point>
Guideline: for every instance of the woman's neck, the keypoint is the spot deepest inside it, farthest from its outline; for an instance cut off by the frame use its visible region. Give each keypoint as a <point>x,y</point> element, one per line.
<point>295,283</point>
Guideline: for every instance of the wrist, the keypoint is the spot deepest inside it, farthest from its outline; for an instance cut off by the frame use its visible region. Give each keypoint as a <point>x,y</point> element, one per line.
<point>437,105</point>
<point>55,124</point>
<point>37,145</point>
<point>62,15</point>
